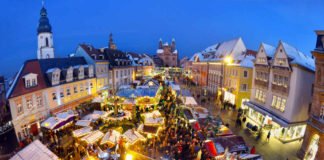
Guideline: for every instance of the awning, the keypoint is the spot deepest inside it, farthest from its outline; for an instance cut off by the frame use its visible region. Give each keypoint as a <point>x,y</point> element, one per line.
<point>281,121</point>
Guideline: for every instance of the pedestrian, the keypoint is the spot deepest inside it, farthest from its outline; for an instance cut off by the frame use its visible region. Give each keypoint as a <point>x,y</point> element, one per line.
<point>268,136</point>
<point>253,150</point>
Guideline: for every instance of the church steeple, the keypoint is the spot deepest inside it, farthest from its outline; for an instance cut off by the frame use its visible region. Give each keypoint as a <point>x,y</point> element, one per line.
<point>45,47</point>
<point>111,44</point>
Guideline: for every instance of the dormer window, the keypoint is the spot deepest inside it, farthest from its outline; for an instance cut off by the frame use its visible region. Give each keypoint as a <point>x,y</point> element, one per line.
<point>69,75</point>
<point>81,72</point>
<point>93,56</point>
<point>30,80</point>
<point>90,71</point>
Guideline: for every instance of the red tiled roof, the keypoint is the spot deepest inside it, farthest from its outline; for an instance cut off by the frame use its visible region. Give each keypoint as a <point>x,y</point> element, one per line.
<point>31,66</point>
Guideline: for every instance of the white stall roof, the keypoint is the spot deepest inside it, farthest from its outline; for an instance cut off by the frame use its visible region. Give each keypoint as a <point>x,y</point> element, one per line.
<point>101,113</point>
<point>65,115</point>
<point>83,123</point>
<point>111,137</point>
<point>133,136</point>
<point>190,101</point>
<point>93,137</point>
<point>35,151</point>
<point>51,122</point>
<point>91,117</point>
<point>81,132</point>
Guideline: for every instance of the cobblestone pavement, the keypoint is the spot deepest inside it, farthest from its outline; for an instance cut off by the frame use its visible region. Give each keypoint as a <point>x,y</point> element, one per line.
<point>272,150</point>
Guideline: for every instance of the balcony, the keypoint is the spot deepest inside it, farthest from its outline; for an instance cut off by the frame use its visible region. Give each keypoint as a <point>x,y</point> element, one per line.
<point>280,89</point>
<point>261,83</point>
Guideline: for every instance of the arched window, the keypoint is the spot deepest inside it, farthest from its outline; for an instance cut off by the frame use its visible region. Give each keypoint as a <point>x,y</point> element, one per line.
<point>46,42</point>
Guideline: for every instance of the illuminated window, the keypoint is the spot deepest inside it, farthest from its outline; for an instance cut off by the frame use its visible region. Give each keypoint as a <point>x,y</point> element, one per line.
<point>75,89</point>
<point>19,108</point>
<point>279,103</point>
<point>68,92</point>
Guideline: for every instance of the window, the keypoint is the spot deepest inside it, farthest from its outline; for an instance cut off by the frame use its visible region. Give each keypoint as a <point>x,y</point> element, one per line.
<point>116,74</point>
<point>86,86</point>
<point>46,42</point>
<point>54,96</point>
<point>281,61</point>
<point>19,108</point>
<point>261,60</point>
<point>33,82</point>
<point>29,103</point>
<point>68,92</point>
<point>61,94</point>
<point>91,85</point>
<point>28,83</point>
<point>245,74</point>
<point>260,95</point>
<point>280,80</point>
<point>279,103</point>
<point>244,87</point>
<point>39,101</point>
<point>75,89</point>
<point>81,88</point>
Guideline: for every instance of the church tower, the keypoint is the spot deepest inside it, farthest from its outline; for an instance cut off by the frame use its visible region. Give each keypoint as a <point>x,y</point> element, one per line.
<point>313,144</point>
<point>45,47</point>
<point>111,44</point>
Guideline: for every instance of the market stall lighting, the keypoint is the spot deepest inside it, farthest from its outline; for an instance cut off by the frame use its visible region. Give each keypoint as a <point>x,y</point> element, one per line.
<point>129,157</point>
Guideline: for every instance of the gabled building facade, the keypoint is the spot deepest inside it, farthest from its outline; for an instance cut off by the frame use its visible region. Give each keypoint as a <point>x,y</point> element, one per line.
<point>48,86</point>
<point>282,91</point>
<point>143,65</point>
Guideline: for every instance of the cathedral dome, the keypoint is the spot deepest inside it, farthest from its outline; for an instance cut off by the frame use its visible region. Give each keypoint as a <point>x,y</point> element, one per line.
<point>44,25</point>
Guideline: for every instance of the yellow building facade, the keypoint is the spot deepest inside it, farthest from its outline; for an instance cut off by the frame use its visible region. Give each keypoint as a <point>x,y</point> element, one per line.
<point>237,84</point>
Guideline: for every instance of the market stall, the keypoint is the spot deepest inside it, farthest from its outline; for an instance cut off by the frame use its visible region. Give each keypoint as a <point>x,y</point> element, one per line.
<point>35,151</point>
<point>153,118</point>
<point>82,132</point>
<point>200,112</point>
<point>52,123</point>
<point>111,138</point>
<point>189,101</point>
<point>93,137</point>
<point>149,130</point>
<point>83,123</point>
<point>133,136</point>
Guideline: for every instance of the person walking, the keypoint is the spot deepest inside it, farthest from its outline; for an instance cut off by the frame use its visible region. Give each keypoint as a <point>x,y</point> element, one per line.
<point>268,136</point>
<point>253,150</point>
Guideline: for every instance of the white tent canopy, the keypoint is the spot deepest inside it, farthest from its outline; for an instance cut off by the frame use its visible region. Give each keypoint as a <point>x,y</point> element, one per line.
<point>101,113</point>
<point>133,136</point>
<point>81,132</point>
<point>51,122</point>
<point>91,117</point>
<point>111,137</point>
<point>190,101</point>
<point>83,123</point>
<point>93,137</point>
<point>35,151</point>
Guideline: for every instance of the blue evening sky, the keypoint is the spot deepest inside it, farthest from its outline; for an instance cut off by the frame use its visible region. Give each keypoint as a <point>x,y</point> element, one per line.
<point>137,25</point>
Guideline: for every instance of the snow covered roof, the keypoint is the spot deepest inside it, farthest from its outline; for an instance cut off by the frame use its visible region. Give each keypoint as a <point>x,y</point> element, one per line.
<point>268,49</point>
<point>93,137</point>
<point>133,136</point>
<point>111,137</point>
<point>35,151</point>
<point>190,101</point>
<point>247,61</point>
<point>65,115</point>
<point>81,132</point>
<point>159,51</point>
<point>83,123</point>
<point>298,57</point>
<point>51,122</point>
